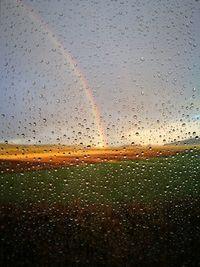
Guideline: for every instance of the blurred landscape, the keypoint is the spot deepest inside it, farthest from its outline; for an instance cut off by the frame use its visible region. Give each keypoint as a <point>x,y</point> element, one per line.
<point>125,206</point>
<point>26,157</point>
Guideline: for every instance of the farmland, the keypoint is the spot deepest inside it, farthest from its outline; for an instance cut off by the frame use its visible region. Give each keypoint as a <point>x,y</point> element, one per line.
<point>108,182</point>
<point>100,207</point>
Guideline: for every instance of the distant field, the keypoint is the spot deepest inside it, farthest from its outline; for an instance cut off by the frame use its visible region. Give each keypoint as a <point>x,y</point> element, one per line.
<point>136,207</point>
<point>15,158</point>
<point>124,181</point>
<point>10,151</point>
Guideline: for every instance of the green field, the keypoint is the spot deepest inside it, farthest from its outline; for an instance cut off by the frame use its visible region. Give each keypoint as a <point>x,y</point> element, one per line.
<point>144,180</point>
<point>150,214</point>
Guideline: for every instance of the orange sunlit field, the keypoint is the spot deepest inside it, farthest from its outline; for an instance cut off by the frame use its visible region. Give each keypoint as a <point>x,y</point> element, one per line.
<point>27,157</point>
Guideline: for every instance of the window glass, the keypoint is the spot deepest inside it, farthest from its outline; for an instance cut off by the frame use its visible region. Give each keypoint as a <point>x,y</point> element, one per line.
<point>99,133</point>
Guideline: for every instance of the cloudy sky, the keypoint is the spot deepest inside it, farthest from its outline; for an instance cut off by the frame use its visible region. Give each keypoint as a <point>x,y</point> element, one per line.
<point>139,59</point>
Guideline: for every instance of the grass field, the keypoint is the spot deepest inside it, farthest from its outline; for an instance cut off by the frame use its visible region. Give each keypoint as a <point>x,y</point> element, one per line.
<point>139,212</point>
<point>124,181</point>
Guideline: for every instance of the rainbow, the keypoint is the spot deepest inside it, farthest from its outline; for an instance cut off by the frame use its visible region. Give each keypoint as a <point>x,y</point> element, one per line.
<point>76,70</point>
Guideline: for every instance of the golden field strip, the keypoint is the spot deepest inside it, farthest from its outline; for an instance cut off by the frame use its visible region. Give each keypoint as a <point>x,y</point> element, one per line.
<point>50,152</point>
<point>24,152</point>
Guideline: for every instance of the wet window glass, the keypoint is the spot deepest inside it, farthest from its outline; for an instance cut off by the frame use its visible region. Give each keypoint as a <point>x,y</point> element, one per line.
<point>99,133</point>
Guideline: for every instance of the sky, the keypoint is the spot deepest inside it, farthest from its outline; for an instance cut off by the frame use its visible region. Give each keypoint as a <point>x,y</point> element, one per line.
<point>99,73</point>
